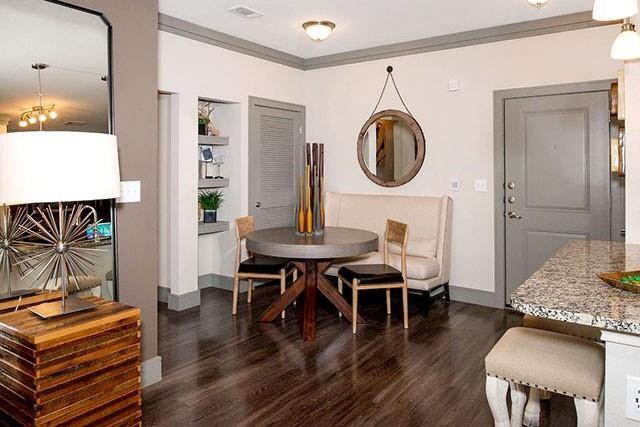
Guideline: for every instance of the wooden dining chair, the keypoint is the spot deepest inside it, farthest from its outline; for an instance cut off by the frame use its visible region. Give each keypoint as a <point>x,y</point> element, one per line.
<point>257,267</point>
<point>380,276</point>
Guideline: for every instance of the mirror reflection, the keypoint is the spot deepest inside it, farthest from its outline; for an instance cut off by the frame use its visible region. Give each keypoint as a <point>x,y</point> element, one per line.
<point>57,79</point>
<point>391,148</point>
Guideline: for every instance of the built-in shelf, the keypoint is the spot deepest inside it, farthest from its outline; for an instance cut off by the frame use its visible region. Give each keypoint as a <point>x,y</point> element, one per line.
<point>213,140</point>
<point>213,227</point>
<point>213,183</point>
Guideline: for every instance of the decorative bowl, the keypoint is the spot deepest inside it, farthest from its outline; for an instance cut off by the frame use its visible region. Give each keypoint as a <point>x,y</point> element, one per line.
<point>615,279</point>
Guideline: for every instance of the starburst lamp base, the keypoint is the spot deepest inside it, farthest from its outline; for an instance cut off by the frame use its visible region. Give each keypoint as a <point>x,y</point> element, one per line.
<point>63,257</point>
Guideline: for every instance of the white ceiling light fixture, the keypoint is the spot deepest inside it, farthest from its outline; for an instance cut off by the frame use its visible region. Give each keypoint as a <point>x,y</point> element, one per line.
<point>538,3</point>
<point>612,10</point>
<point>627,44</point>
<point>318,30</point>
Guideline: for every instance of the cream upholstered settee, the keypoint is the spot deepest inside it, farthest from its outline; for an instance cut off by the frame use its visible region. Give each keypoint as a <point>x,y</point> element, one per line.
<point>429,246</point>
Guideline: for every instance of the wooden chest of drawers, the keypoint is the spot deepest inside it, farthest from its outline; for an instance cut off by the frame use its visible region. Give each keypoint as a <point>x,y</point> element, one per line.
<point>80,369</point>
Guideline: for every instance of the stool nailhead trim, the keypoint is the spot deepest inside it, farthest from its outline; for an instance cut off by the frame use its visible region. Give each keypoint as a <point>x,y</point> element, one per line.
<point>536,386</point>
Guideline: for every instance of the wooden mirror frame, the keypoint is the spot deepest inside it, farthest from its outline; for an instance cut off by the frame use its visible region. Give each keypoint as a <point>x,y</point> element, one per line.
<point>420,141</point>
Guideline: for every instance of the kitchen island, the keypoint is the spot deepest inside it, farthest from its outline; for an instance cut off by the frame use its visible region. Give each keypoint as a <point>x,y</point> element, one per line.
<point>566,288</point>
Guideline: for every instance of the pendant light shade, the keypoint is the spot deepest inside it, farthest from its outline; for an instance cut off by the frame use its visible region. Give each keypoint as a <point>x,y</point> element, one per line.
<point>612,10</point>
<point>318,30</point>
<point>627,44</point>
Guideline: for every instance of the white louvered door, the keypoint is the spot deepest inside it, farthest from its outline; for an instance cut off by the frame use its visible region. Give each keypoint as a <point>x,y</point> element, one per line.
<point>276,137</point>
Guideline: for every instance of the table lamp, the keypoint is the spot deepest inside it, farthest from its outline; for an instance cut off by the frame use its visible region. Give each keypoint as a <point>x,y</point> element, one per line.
<point>53,168</point>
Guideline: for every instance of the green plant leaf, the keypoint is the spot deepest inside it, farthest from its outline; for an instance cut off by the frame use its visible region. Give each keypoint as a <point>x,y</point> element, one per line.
<point>210,200</point>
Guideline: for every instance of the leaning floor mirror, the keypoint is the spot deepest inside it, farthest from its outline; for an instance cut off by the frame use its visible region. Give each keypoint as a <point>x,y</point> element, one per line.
<point>57,78</point>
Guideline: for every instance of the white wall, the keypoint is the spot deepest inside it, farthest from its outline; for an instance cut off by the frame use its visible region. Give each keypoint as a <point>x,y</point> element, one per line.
<point>632,123</point>
<point>458,126</point>
<point>190,69</point>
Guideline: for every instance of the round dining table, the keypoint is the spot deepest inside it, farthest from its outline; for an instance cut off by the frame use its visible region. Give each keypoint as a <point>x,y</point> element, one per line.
<point>312,255</point>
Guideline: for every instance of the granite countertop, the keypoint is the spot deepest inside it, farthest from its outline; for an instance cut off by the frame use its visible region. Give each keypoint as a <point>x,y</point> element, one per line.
<point>566,287</point>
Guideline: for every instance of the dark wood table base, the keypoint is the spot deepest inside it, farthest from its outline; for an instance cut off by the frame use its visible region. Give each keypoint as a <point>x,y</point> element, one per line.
<point>310,282</point>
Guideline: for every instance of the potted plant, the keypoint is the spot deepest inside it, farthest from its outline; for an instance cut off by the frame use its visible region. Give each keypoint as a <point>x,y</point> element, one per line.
<point>203,122</point>
<point>210,202</point>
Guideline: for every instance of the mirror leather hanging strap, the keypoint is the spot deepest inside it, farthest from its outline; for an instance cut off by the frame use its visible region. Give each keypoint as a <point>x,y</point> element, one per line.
<point>386,81</point>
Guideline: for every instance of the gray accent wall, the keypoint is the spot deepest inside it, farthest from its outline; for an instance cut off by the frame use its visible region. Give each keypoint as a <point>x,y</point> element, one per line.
<point>570,22</point>
<point>135,69</point>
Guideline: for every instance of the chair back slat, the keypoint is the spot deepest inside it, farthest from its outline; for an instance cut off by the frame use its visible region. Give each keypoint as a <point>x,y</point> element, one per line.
<point>244,226</point>
<point>396,232</point>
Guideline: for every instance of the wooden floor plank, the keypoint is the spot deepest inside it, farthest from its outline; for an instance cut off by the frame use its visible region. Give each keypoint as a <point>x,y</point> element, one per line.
<point>220,370</point>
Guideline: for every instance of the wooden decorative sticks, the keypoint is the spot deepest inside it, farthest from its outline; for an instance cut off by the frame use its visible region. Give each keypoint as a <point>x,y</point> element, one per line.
<point>309,210</point>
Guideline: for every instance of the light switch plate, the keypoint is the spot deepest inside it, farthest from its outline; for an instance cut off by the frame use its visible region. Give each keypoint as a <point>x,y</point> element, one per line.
<point>130,192</point>
<point>481,185</point>
<point>455,185</point>
<point>454,85</point>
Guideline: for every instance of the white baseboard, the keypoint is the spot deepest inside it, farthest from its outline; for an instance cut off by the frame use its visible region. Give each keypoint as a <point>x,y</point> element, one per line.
<point>151,371</point>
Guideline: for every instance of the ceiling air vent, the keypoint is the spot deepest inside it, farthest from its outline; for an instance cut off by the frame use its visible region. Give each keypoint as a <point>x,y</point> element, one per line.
<point>245,12</point>
<point>75,123</point>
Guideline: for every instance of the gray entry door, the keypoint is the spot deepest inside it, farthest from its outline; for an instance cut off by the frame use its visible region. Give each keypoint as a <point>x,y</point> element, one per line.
<point>276,137</point>
<point>556,177</point>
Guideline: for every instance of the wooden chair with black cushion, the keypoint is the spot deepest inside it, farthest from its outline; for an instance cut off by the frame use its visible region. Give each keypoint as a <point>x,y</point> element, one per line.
<point>380,276</point>
<point>257,267</point>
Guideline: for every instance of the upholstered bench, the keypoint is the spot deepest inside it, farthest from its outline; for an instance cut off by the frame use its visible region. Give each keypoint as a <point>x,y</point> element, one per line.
<point>558,363</point>
<point>429,245</point>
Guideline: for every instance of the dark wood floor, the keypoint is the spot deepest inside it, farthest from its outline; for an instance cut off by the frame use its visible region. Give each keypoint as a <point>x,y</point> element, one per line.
<point>224,371</point>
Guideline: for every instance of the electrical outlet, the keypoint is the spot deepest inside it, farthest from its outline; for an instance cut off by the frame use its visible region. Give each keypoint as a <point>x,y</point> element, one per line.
<point>633,398</point>
<point>455,185</point>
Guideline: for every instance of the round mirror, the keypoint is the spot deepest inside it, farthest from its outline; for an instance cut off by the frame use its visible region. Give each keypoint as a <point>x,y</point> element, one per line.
<point>391,148</point>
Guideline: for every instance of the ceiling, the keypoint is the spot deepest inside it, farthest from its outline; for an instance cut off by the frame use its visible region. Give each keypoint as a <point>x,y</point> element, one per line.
<point>360,23</point>
<point>74,43</point>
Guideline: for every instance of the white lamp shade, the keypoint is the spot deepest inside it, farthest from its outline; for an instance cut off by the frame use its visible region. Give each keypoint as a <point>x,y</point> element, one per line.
<point>47,167</point>
<point>612,10</point>
<point>627,45</point>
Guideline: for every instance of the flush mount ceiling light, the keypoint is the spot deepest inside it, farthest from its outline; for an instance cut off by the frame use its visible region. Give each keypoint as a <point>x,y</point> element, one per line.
<point>318,30</point>
<point>627,44</point>
<point>612,10</point>
<point>537,3</point>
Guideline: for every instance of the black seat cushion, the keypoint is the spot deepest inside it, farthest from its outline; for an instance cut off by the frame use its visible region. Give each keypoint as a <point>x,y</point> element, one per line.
<point>263,265</point>
<point>370,274</point>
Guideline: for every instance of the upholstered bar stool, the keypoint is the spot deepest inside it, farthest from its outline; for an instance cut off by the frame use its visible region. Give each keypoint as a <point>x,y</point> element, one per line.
<point>257,267</point>
<point>532,410</point>
<point>550,361</point>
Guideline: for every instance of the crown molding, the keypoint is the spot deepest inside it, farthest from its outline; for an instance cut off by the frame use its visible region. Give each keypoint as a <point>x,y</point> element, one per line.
<point>196,32</point>
<point>556,24</point>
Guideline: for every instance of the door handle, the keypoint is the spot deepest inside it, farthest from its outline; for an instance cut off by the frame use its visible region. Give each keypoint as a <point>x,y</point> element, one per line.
<point>258,204</point>
<point>513,215</point>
